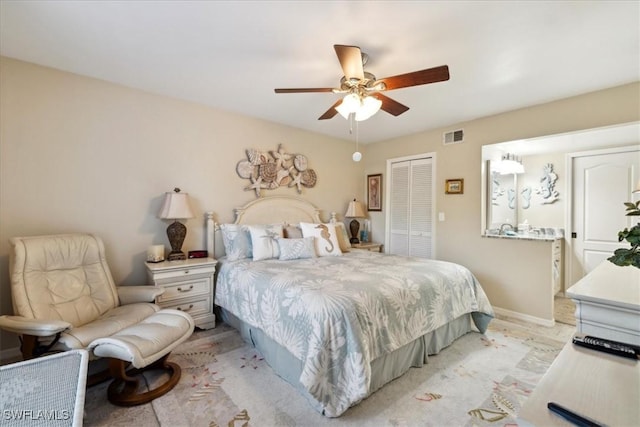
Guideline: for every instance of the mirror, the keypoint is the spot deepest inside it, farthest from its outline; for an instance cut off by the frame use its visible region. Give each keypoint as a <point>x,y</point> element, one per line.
<point>530,194</point>
<point>502,203</point>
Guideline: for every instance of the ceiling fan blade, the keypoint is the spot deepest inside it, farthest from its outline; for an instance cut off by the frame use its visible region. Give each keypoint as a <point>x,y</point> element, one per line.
<point>422,77</point>
<point>304,90</point>
<point>350,59</point>
<point>331,111</point>
<point>390,106</point>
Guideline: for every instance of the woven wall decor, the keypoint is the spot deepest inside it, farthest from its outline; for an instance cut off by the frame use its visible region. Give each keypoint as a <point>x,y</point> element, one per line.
<point>268,170</point>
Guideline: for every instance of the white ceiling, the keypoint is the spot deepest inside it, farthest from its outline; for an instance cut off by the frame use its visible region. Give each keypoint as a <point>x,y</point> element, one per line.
<point>231,55</point>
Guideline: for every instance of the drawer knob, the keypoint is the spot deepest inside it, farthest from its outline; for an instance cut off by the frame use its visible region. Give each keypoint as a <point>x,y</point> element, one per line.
<point>186,309</point>
<point>185,290</point>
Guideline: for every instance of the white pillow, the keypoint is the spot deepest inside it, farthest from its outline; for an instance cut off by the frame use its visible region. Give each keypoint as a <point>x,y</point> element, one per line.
<point>237,241</point>
<point>263,240</point>
<point>326,240</point>
<point>296,248</point>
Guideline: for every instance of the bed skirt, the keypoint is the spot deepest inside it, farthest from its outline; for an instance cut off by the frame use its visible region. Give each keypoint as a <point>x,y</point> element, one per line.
<point>383,369</point>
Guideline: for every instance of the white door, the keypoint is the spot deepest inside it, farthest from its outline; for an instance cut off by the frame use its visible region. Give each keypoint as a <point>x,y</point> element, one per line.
<point>602,183</point>
<point>410,222</point>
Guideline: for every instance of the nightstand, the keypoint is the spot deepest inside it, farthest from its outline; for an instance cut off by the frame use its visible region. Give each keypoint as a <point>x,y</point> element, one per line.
<point>370,246</point>
<point>188,287</point>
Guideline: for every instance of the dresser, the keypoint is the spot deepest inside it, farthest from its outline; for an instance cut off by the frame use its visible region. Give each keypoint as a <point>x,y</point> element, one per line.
<point>608,303</point>
<point>189,286</point>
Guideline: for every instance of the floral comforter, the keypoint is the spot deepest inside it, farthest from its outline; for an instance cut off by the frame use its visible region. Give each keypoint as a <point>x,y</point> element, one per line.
<point>337,314</point>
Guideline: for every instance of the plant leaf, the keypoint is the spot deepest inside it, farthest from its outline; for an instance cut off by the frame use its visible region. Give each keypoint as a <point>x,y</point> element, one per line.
<point>621,257</point>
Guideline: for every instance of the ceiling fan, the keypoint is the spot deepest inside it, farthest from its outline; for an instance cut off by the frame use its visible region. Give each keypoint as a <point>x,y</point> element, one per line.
<point>363,88</point>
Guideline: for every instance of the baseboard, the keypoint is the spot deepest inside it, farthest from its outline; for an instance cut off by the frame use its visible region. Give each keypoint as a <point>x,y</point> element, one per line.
<point>524,317</point>
<point>10,355</point>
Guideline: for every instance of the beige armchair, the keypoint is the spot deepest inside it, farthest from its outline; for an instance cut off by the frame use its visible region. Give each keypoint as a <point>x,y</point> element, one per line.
<point>64,298</point>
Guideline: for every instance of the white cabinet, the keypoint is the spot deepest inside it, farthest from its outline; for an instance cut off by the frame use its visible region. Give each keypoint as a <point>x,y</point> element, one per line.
<point>608,303</point>
<point>189,286</point>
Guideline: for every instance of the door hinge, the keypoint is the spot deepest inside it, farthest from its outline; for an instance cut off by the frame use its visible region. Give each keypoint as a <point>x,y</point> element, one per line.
<point>574,235</point>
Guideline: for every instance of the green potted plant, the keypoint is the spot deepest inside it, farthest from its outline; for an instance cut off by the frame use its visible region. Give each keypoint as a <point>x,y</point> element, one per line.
<point>626,256</point>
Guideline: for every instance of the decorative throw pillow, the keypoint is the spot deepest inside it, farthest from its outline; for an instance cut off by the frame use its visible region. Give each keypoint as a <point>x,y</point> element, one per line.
<point>237,241</point>
<point>263,240</point>
<point>292,232</point>
<point>296,248</point>
<point>343,237</point>
<point>326,241</point>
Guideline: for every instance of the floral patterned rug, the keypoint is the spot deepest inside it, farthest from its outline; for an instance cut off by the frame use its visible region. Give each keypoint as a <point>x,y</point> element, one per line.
<point>479,380</point>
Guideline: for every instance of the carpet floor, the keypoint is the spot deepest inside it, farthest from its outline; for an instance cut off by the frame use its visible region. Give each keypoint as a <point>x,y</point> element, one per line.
<point>481,379</point>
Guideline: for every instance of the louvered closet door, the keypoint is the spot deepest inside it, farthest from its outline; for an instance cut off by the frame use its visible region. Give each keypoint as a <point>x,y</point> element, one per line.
<point>411,210</point>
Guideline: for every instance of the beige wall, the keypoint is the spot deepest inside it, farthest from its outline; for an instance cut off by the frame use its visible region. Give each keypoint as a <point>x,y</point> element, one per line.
<point>515,274</point>
<point>78,154</point>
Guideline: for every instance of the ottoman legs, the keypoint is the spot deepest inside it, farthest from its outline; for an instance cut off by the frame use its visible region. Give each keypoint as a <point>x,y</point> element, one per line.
<point>123,389</point>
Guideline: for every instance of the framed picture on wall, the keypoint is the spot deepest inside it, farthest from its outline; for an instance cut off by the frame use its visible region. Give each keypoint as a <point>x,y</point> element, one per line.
<point>454,186</point>
<point>374,192</point>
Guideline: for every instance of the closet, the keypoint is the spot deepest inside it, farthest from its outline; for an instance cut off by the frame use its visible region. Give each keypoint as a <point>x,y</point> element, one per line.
<point>411,206</point>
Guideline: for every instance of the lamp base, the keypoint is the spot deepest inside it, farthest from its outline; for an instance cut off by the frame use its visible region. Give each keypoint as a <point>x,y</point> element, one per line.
<point>354,226</point>
<point>176,233</point>
<point>176,256</point>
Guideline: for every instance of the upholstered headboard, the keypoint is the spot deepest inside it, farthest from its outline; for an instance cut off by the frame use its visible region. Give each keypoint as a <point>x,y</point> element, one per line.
<point>266,210</point>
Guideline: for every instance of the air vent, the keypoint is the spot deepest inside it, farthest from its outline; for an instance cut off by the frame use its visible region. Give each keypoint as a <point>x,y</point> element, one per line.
<point>453,137</point>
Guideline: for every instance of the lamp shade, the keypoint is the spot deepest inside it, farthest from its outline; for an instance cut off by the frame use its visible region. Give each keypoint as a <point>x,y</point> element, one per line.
<point>355,210</point>
<point>350,104</point>
<point>368,108</point>
<point>362,107</point>
<point>175,206</point>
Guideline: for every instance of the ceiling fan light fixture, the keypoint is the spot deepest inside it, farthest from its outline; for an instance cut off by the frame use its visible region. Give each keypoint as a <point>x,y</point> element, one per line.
<point>362,107</point>
<point>350,104</point>
<point>368,108</point>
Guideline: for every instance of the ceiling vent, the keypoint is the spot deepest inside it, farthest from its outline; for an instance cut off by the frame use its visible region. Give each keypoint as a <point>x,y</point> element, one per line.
<point>453,137</point>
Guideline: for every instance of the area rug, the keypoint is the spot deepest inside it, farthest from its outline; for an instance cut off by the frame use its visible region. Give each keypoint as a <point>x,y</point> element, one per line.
<point>481,379</point>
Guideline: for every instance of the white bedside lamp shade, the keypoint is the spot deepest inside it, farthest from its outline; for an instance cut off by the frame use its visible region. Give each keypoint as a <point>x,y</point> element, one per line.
<point>176,206</point>
<point>354,210</point>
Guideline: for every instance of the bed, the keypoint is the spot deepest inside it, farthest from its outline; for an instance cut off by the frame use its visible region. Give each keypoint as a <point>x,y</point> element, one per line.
<point>338,327</point>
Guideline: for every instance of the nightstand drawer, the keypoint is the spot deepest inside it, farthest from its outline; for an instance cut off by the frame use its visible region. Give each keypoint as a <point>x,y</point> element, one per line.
<point>188,287</point>
<point>185,289</point>
<point>187,273</point>
<point>195,307</point>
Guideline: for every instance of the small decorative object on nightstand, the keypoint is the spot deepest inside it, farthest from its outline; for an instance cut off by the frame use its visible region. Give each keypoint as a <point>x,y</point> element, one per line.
<point>188,287</point>
<point>371,247</point>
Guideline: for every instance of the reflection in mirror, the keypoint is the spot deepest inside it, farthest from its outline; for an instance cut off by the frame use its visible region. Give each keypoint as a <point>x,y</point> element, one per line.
<point>534,200</point>
<point>503,206</point>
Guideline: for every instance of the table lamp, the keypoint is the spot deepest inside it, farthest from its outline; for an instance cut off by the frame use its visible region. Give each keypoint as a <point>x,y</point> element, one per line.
<point>175,207</point>
<point>355,210</point>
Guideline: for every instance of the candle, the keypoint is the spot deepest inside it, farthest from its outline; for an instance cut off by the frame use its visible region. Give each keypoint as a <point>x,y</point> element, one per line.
<point>155,253</point>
